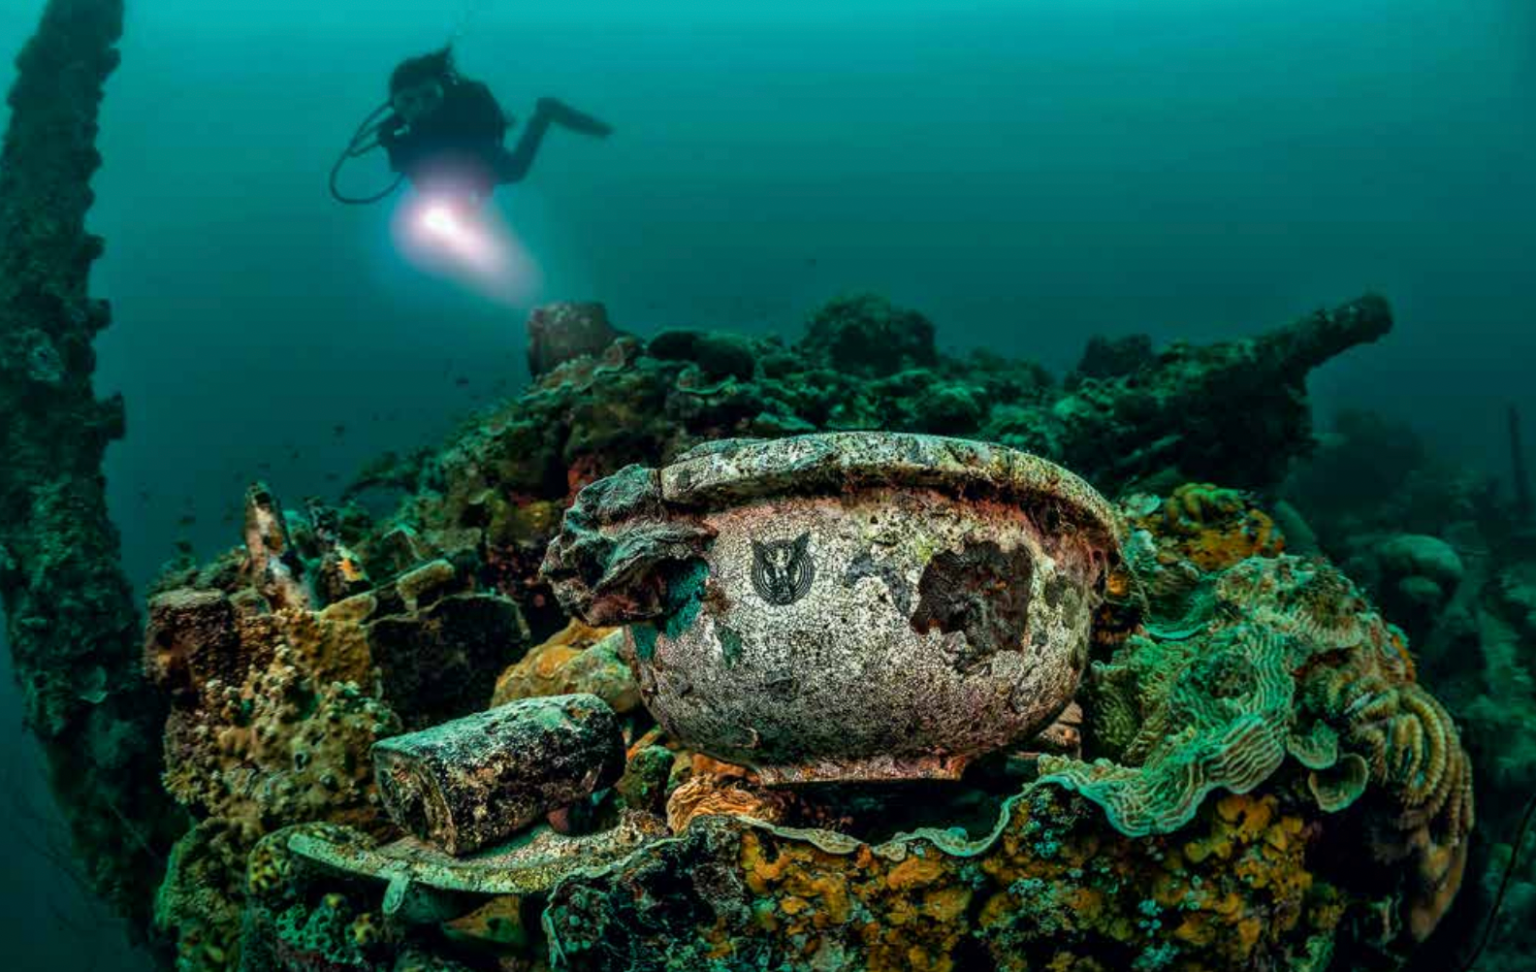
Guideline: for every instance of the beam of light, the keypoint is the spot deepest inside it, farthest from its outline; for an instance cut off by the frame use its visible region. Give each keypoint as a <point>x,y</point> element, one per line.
<point>452,236</point>
<point>439,219</point>
<point>461,233</point>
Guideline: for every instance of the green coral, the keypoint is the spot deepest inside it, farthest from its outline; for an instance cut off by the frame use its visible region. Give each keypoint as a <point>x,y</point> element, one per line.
<point>867,334</point>
<point>1317,748</point>
<point>1267,657</point>
<point>1337,787</point>
<point>1181,717</point>
<point>644,783</point>
<point>332,935</point>
<point>198,902</point>
<point>1222,724</point>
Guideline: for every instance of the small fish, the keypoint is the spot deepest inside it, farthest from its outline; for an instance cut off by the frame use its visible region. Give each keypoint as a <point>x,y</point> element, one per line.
<point>187,520</point>
<point>461,381</point>
<point>350,569</point>
<point>340,430</point>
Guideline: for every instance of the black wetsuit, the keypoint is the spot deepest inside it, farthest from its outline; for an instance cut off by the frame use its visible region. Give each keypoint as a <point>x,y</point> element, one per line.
<point>459,144</point>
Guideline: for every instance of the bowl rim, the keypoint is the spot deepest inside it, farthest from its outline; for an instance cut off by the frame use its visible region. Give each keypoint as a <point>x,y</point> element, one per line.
<point>729,472</point>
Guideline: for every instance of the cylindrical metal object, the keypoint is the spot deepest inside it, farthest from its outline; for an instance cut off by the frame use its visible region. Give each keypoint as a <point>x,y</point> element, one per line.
<point>470,783</point>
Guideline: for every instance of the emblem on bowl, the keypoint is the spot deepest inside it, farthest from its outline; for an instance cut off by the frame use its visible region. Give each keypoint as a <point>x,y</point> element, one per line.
<point>782,570</point>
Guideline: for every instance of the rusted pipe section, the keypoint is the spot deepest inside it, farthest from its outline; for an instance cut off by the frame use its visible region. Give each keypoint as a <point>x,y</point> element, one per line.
<point>473,782</point>
<point>71,618</point>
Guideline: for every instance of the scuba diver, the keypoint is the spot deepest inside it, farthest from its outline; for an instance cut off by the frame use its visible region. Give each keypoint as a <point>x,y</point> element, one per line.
<point>444,132</point>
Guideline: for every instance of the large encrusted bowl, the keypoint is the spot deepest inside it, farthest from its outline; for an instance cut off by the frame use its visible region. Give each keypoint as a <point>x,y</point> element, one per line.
<point>848,606</point>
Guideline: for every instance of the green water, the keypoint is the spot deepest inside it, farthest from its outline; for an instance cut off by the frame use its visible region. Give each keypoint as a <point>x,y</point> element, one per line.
<point>1026,173</point>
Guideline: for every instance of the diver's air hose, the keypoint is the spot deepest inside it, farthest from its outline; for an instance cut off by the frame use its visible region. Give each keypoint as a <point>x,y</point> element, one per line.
<point>356,148</point>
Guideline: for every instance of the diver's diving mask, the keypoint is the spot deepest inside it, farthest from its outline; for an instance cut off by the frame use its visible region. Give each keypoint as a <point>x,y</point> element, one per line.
<point>417,101</point>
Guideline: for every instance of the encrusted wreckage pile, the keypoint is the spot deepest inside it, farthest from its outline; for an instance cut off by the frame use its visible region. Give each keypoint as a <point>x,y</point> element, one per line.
<point>1250,775</point>
<point>277,697</point>
<point>1251,724</point>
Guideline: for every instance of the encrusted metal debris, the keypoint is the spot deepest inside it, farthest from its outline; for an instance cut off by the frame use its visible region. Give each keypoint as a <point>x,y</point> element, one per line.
<point>851,606</point>
<point>472,782</point>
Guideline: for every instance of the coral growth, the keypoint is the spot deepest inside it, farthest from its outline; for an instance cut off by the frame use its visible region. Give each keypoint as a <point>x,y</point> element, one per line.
<point>709,786</point>
<point>1050,888</point>
<point>497,488</point>
<point>1287,693</point>
<point>1233,750</point>
<point>69,612</point>
<point>1210,527</point>
<point>578,659</point>
<point>276,703</point>
<point>1184,718</point>
<point>1246,710</point>
<point>270,736</point>
<point>863,334</point>
<point>1281,655</point>
<point>1446,552</point>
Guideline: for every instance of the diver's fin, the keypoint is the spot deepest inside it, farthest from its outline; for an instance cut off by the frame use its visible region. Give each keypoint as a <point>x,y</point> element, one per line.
<point>565,116</point>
